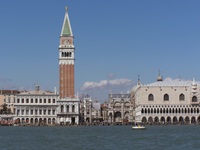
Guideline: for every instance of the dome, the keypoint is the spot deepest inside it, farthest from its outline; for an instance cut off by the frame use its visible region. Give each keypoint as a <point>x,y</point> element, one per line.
<point>159,78</point>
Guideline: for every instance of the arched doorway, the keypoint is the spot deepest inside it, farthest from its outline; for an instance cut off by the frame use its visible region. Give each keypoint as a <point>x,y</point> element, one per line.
<point>193,120</point>
<point>54,121</point>
<point>150,120</point>
<point>49,121</point>
<point>110,117</point>
<point>169,120</point>
<point>181,120</point>
<point>156,120</point>
<point>144,119</point>
<point>187,120</point>
<point>27,120</point>
<point>198,120</point>
<point>117,116</point>
<point>45,121</point>
<point>31,120</point>
<point>175,120</point>
<point>126,119</point>
<point>162,120</point>
<point>36,120</point>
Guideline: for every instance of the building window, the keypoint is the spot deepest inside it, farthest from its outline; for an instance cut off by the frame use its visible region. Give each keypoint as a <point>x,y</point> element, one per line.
<point>49,101</point>
<point>40,112</point>
<point>22,100</point>
<point>27,112</point>
<point>36,112</point>
<point>18,100</point>
<point>31,111</point>
<point>194,99</point>
<point>53,112</point>
<point>8,99</point>
<point>27,100</point>
<point>18,112</point>
<point>151,97</point>
<point>166,97</point>
<point>44,111</point>
<point>22,112</point>
<point>49,112</point>
<point>54,100</point>
<point>73,108</point>
<point>182,97</point>
<point>36,100</point>
<point>40,100</point>
<point>67,108</point>
<point>44,100</point>
<point>31,100</point>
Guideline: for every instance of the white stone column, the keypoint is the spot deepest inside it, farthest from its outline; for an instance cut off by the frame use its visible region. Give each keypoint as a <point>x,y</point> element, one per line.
<point>70,108</point>
<point>64,108</point>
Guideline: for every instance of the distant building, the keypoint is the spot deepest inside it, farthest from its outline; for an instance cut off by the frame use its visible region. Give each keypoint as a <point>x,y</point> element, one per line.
<point>104,112</point>
<point>36,107</point>
<point>120,109</point>
<point>167,102</point>
<point>8,97</point>
<point>90,111</point>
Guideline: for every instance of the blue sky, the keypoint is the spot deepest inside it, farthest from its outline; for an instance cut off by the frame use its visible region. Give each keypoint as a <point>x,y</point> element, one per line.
<point>115,41</point>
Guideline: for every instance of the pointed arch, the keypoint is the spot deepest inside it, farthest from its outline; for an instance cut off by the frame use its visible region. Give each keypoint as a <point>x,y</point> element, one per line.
<point>194,99</point>
<point>181,97</point>
<point>166,97</point>
<point>150,97</point>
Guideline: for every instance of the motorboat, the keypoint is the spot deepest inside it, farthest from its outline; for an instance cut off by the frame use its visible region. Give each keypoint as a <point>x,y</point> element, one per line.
<point>139,127</point>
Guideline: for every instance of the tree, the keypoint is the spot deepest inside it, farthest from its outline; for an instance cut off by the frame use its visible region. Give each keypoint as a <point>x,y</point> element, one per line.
<point>5,109</point>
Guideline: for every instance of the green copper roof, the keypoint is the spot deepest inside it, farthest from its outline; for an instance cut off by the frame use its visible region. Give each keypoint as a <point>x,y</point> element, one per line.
<point>66,29</point>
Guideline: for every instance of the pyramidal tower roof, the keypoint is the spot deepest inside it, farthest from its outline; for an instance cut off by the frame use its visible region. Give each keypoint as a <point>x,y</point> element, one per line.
<point>66,28</point>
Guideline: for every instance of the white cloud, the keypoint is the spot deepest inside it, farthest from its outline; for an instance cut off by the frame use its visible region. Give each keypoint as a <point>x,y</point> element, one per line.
<point>106,83</point>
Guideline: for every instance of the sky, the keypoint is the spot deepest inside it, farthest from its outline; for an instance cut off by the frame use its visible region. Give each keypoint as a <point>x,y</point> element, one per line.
<point>115,41</point>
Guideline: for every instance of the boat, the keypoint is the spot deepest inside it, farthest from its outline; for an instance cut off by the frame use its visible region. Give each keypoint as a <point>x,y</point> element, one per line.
<point>138,127</point>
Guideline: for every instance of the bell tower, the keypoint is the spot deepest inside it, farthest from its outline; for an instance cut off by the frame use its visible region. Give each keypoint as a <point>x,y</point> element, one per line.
<point>66,59</point>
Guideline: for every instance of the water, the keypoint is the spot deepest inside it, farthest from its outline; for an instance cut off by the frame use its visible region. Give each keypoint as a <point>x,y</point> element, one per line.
<point>100,138</point>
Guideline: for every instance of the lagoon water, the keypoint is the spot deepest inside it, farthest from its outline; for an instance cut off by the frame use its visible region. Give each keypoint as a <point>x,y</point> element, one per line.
<point>100,138</point>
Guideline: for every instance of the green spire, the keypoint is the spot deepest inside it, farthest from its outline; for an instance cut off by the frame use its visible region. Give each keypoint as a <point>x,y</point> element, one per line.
<point>66,29</point>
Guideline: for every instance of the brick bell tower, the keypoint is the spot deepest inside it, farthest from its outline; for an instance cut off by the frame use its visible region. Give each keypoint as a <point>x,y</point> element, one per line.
<point>66,59</point>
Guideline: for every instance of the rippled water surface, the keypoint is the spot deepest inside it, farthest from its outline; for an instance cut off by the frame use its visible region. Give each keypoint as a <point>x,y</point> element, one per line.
<point>100,138</point>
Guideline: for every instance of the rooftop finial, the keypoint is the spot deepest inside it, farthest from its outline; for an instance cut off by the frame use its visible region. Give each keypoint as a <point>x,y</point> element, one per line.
<point>66,8</point>
<point>159,78</point>
<point>37,87</point>
<point>138,79</point>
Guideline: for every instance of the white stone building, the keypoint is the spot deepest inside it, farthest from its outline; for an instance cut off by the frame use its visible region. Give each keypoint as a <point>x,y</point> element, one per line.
<point>167,102</point>
<point>68,111</point>
<point>120,109</point>
<point>36,107</point>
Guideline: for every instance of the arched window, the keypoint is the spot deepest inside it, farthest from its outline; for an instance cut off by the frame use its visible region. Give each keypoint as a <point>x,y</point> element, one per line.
<point>142,110</point>
<point>166,97</point>
<point>194,99</point>
<point>150,97</point>
<point>181,97</point>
